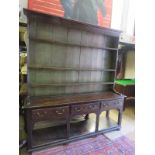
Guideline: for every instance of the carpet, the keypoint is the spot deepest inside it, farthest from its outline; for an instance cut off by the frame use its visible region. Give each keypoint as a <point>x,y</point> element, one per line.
<point>99,145</point>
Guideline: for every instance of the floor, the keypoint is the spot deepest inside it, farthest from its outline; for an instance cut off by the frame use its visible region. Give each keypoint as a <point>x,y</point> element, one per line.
<point>128,125</point>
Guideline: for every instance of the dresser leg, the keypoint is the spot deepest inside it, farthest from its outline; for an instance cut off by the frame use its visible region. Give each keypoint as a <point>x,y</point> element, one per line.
<point>68,127</point>
<point>29,125</point>
<point>97,121</point>
<point>87,116</point>
<point>107,113</point>
<point>120,117</point>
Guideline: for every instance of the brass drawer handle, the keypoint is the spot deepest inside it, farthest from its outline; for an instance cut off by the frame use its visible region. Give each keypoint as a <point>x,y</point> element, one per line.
<point>77,109</point>
<point>60,113</point>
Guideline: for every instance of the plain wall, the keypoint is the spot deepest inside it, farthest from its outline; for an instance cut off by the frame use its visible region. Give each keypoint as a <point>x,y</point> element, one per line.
<point>130,65</point>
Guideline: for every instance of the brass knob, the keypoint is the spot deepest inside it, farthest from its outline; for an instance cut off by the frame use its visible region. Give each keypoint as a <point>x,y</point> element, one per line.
<point>59,112</point>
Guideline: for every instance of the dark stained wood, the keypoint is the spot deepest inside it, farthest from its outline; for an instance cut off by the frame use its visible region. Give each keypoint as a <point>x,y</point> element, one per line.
<point>29,127</point>
<point>37,102</point>
<point>80,137</point>
<point>85,108</point>
<point>109,104</point>
<point>47,137</point>
<point>70,44</point>
<point>120,117</point>
<point>71,71</point>
<point>70,84</point>
<point>68,126</point>
<point>50,113</point>
<point>47,46</point>
<point>107,113</point>
<point>97,120</point>
<point>64,68</point>
<point>86,116</point>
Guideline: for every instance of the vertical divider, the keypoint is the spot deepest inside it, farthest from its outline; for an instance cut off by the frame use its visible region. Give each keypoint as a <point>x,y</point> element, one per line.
<point>28,55</point>
<point>120,111</point>
<point>79,62</point>
<point>68,122</point>
<point>102,66</point>
<point>52,36</point>
<point>29,127</point>
<point>65,90</point>
<point>116,63</point>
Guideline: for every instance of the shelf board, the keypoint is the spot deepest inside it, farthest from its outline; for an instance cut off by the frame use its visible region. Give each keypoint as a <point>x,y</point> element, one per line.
<point>70,44</point>
<point>70,84</point>
<point>69,69</point>
<point>79,127</point>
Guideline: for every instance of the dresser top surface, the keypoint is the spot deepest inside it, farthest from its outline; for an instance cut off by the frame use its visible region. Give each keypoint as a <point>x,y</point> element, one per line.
<point>49,101</point>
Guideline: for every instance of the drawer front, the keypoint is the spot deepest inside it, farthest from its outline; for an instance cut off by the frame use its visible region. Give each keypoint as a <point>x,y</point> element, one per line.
<point>105,105</point>
<point>84,108</point>
<point>50,113</point>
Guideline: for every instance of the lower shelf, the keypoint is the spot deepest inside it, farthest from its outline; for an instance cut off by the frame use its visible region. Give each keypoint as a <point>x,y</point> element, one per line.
<point>79,128</point>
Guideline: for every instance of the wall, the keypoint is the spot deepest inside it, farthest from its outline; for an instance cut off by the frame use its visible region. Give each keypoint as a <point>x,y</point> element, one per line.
<point>23,4</point>
<point>122,16</point>
<point>130,65</point>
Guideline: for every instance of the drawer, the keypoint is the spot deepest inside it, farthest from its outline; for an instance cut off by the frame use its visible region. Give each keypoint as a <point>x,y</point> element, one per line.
<point>50,113</point>
<point>111,104</point>
<point>84,108</point>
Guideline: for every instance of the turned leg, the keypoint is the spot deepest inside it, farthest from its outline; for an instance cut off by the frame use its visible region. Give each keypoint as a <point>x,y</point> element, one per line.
<point>107,113</point>
<point>68,127</point>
